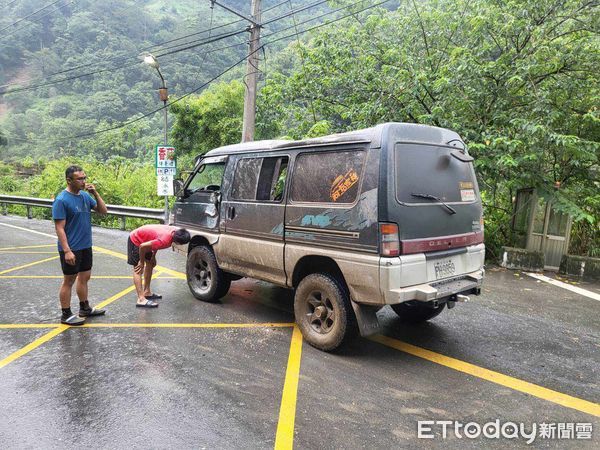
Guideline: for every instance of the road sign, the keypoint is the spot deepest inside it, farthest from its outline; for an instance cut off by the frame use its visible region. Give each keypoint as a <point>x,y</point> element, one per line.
<point>165,157</point>
<point>166,171</point>
<point>164,185</point>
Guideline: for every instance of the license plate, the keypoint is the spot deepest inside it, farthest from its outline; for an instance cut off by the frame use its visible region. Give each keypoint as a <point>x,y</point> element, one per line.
<point>444,268</point>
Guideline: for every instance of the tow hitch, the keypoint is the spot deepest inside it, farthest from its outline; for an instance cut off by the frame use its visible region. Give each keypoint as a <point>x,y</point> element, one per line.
<point>451,303</point>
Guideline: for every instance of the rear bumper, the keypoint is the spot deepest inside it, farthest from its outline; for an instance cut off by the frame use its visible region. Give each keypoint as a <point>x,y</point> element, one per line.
<point>467,284</point>
<point>414,277</point>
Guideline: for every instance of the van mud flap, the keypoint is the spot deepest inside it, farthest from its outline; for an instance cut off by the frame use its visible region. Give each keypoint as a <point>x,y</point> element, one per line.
<point>366,316</point>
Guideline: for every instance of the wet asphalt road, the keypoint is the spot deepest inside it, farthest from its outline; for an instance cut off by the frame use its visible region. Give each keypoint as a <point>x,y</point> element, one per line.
<point>222,387</point>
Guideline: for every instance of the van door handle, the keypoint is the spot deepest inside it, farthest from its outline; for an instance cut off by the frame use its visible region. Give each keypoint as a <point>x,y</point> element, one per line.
<point>231,212</point>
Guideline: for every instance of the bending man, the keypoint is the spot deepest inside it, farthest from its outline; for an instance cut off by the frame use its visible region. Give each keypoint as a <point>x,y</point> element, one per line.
<point>142,245</point>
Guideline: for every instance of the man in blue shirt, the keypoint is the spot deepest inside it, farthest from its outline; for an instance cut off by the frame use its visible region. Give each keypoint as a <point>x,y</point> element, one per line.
<point>72,216</point>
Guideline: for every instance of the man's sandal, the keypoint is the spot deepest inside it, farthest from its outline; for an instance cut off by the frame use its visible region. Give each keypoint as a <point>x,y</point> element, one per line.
<point>148,304</point>
<point>153,296</point>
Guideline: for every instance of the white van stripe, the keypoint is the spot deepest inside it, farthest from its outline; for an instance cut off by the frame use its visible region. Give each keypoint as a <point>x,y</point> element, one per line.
<point>566,286</point>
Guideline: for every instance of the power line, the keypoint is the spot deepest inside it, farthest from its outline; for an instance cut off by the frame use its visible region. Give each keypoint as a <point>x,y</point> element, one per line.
<point>74,77</point>
<point>178,99</point>
<point>152,49</point>
<point>36,20</point>
<point>231,67</point>
<point>29,15</point>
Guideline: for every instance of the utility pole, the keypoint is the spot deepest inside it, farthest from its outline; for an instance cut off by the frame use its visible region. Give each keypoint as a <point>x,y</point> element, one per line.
<point>251,68</point>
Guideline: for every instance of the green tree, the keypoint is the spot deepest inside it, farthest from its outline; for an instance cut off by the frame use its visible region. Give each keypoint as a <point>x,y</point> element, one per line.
<point>518,80</point>
<point>209,120</point>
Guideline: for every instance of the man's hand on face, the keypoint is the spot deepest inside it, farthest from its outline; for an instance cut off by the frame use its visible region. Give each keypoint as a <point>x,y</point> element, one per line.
<point>90,188</point>
<point>139,268</point>
<point>70,258</point>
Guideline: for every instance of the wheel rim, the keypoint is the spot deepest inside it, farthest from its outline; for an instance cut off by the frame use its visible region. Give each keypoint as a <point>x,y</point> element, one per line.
<point>320,313</point>
<point>200,275</point>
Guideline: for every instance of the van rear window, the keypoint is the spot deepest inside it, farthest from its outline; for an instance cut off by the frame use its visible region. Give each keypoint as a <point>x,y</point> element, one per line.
<point>431,170</point>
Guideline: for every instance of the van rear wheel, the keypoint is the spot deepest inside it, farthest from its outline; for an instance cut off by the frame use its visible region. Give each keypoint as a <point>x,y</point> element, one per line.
<point>415,311</point>
<point>206,280</point>
<point>323,311</point>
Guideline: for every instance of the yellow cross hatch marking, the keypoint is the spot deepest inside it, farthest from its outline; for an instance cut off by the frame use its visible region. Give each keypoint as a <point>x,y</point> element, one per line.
<point>29,265</point>
<point>29,246</point>
<point>284,438</point>
<point>494,377</point>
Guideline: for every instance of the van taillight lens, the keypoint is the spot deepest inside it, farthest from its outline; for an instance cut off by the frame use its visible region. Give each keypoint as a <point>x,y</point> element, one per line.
<point>389,243</point>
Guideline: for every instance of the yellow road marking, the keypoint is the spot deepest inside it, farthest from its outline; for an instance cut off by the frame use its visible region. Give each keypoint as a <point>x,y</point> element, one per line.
<point>28,246</point>
<point>109,300</point>
<point>287,412</point>
<point>29,265</point>
<point>494,377</point>
<point>187,325</point>
<point>173,273</point>
<point>35,344</point>
<point>28,325</point>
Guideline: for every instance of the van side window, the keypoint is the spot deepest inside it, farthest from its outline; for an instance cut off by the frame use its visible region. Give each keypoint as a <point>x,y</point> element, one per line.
<point>261,179</point>
<point>208,177</point>
<point>327,177</point>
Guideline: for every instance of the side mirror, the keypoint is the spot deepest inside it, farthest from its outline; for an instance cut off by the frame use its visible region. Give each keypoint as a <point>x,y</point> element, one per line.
<point>177,187</point>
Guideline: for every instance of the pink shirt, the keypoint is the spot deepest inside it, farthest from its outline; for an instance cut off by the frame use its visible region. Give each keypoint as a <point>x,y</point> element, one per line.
<point>161,236</point>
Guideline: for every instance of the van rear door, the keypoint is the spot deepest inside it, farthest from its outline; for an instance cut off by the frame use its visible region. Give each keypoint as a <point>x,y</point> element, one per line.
<point>432,195</point>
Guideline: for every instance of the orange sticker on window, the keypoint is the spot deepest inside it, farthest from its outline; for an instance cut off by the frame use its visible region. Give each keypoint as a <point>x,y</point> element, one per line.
<point>342,183</point>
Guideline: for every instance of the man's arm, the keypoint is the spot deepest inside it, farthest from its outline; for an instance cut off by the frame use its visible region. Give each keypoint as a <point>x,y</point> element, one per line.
<point>100,207</point>
<point>59,225</point>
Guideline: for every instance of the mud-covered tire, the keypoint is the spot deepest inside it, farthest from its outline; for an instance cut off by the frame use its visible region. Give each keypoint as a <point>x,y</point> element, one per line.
<point>323,311</point>
<point>207,282</point>
<point>415,311</point>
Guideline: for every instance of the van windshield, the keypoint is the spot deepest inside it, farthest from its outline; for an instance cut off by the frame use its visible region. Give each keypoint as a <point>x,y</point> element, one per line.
<point>430,171</point>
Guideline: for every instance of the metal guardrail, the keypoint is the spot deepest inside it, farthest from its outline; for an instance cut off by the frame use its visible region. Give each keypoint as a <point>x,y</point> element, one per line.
<point>116,210</point>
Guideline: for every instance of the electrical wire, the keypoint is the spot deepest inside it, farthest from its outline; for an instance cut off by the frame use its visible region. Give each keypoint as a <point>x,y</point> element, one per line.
<point>36,20</point>
<point>29,15</point>
<point>229,68</point>
<point>74,77</point>
<point>178,99</point>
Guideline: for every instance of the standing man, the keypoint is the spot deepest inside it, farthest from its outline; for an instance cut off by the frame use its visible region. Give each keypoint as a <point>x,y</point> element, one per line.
<point>72,216</point>
<point>142,245</point>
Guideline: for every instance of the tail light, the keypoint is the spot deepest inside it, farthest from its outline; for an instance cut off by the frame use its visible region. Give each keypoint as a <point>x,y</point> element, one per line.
<point>389,242</point>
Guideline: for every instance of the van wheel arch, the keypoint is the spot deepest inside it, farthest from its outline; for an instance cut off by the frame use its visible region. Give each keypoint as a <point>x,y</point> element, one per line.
<point>317,264</point>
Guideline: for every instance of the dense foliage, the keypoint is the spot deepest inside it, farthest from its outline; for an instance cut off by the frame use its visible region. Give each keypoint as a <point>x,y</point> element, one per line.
<point>518,80</point>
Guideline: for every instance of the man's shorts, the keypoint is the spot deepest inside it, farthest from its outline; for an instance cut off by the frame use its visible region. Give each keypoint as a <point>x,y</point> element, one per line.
<point>83,262</point>
<point>133,253</point>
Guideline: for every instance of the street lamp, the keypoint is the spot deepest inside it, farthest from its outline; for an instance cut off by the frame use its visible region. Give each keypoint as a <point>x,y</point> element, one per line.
<point>162,91</point>
<point>163,94</point>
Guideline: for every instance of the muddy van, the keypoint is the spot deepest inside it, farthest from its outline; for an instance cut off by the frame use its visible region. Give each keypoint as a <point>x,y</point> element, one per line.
<point>389,215</point>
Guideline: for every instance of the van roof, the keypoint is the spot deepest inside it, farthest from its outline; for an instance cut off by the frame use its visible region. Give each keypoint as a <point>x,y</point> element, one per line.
<point>407,131</point>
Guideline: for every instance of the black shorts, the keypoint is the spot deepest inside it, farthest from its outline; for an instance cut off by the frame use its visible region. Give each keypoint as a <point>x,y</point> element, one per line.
<point>133,253</point>
<point>83,262</point>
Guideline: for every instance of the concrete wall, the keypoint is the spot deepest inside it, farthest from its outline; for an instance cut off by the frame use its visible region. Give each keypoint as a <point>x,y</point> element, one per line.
<point>582,266</point>
<point>519,258</point>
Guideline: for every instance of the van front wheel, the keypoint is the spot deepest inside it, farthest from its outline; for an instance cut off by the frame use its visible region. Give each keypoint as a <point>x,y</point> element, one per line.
<point>206,280</point>
<point>323,311</point>
<point>415,311</point>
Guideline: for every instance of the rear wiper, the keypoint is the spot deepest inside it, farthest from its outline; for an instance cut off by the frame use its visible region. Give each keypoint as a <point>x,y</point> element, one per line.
<point>450,209</point>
